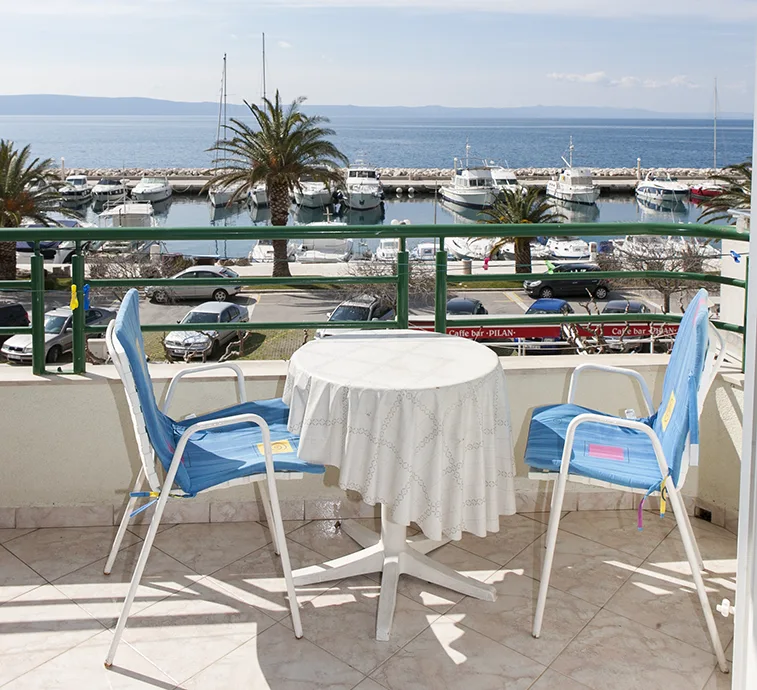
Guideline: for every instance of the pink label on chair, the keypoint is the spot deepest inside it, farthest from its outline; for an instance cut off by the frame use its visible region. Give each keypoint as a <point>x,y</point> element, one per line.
<point>607,452</point>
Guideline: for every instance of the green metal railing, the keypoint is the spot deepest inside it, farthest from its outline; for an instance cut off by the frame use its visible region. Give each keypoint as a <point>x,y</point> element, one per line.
<point>400,279</point>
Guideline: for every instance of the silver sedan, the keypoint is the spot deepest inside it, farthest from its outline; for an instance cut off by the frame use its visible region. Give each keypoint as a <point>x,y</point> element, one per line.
<point>208,341</point>
<point>219,293</point>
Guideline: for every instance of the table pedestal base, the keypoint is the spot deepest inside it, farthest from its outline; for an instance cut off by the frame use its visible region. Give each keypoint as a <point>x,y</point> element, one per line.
<point>392,555</point>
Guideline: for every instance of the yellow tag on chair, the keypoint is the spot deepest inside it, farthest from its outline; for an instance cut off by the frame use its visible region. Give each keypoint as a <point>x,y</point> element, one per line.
<point>668,411</point>
<point>277,447</point>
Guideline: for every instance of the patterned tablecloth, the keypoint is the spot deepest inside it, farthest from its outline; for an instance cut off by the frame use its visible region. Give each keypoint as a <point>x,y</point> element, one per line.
<point>417,422</point>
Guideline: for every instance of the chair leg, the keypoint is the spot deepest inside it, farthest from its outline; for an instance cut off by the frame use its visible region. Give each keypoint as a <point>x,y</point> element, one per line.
<point>137,576</point>
<point>124,523</point>
<point>551,543</point>
<point>277,529</point>
<point>694,558</point>
<point>268,516</point>
<point>691,532</point>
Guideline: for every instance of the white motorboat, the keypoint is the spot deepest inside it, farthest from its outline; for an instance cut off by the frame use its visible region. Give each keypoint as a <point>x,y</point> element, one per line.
<point>470,247</point>
<point>325,250</point>
<point>471,186</point>
<point>76,190</point>
<point>387,250</point>
<point>152,189</point>
<point>504,179</point>
<point>661,188</point>
<point>258,195</point>
<point>262,252</point>
<point>363,189</point>
<point>424,251</point>
<point>312,193</point>
<point>109,189</point>
<point>573,184</point>
<point>571,248</point>
<point>132,214</point>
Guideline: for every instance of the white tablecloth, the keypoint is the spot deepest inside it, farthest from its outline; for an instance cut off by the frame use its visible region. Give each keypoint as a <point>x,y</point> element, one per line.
<point>417,422</point>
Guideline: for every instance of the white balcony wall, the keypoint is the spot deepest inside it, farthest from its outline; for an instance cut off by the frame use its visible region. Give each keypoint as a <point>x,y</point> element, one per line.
<point>68,454</point>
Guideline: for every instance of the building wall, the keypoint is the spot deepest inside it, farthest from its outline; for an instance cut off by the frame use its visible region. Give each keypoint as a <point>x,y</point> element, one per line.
<point>69,455</point>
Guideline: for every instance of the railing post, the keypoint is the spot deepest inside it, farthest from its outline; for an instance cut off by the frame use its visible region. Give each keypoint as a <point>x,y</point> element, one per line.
<point>403,286</point>
<point>440,315</point>
<point>38,312</point>
<point>80,345</point>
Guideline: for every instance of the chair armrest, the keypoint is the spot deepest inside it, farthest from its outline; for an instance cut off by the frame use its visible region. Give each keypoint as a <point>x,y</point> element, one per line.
<point>611,421</point>
<point>206,367</point>
<point>612,370</point>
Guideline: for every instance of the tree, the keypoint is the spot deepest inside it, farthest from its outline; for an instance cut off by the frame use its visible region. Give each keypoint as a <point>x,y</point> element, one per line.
<point>26,191</point>
<point>514,206</point>
<point>737,182</point>
<point>286,145</point>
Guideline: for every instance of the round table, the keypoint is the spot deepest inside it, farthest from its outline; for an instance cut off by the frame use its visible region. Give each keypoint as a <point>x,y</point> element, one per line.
<point>419,423</point>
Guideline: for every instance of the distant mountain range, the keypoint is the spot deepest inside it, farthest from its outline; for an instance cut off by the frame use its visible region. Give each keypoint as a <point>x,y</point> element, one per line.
<point>45,104</point>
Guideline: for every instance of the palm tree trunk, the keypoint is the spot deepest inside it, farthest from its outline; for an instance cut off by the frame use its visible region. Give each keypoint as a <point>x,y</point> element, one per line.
<point>7,261</point>
<point>278,200</point>
<point>523,255</point>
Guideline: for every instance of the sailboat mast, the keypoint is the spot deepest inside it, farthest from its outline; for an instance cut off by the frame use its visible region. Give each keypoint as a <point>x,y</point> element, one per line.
<point>264,89</point>
<point>570,155</point>
<point>715,130</point>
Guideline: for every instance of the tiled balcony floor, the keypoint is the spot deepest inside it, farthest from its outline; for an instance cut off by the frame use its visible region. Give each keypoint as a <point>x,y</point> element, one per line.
<point>211,614</point>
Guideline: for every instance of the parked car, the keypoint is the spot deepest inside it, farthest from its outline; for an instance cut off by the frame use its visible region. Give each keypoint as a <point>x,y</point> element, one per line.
<point>59,336</point>
<point>582,284</point>
<point>464,306</point>
<point>626,306</point>
<point>555,345</point>
<point>219,293</point>
<point>181,343</point>
<point>12,314</point>
<point>363,308</point>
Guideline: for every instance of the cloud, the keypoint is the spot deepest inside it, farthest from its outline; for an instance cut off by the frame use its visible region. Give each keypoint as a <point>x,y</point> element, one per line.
<point>284,44</point>
<point>602,79</point>
<point>726,11</point>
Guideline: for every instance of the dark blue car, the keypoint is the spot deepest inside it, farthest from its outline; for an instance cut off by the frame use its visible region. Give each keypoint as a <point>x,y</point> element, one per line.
<point>547,345</point>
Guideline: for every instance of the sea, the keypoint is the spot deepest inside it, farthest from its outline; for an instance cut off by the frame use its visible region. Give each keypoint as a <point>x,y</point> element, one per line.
<point>178,142</point>
<point>171,142</point>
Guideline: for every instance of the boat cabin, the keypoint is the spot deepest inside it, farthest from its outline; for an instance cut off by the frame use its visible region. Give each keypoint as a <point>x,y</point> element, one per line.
<point>130,215</point>
<point>469,178</point>
<point>576,177</point>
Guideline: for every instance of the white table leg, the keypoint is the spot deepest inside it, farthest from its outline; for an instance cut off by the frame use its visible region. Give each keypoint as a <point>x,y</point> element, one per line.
<point>392,554</point>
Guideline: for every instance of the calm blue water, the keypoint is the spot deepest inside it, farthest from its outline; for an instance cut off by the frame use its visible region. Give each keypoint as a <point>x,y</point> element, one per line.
<point>193,212</point>
<point>393,142</point>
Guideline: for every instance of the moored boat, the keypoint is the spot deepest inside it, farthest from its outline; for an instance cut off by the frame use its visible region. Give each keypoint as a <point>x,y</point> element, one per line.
<point>152,189</point>
<point>573,184</point>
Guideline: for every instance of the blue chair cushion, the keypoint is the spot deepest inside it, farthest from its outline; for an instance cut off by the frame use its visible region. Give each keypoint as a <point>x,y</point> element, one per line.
<point>607,453</point>
<point>219,455</point>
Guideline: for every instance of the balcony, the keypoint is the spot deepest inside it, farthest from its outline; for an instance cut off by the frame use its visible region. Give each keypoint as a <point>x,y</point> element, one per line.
<point>622,610</point>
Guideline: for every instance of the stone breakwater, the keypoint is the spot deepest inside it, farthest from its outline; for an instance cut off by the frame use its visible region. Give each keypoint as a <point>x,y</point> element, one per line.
<point>393,173</point>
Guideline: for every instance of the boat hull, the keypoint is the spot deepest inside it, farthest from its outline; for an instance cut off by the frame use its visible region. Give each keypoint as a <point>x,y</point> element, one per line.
<point>221,197</point>
<point>575,196</point>
<point>361,200</point>
<point>258,196</point>
<point>102,196</point>
<point>312,199</point>
<point>151,195</point>
<point>479,199</point>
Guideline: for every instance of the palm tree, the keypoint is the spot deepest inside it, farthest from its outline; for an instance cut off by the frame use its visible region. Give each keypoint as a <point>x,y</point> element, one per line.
<point>737,182</point>
<point>514,206</point>
<point>286,145</point>
<point>26,190</point>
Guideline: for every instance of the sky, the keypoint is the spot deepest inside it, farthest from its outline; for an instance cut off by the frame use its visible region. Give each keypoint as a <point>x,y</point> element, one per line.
<point>660,55</point>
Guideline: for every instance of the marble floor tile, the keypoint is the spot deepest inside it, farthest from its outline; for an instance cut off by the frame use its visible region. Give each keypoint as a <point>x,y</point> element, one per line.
<point>719,681</point>
<point>258,579</point>
<point>509,619</point>
<point>552,680</point>
<point>618,529</point>
<point>588,570</point>
<point>326,537</point>
<point>194,628</point>
<point>38,626</point>
<point>661,594</point>
<point>15,577</point>
<point>343,621</point>
<point>441,599</point>
<point>369,684</point>
<point>103,595</point>
<point>209,547</point>
<point>615,652</point>
<point>515,534</point>
<point>275,660</point>
<point>447,656</point>
<point>8,534</point>
<point>54,552</point>
<point>82,667</point>
<point>542,516</point>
